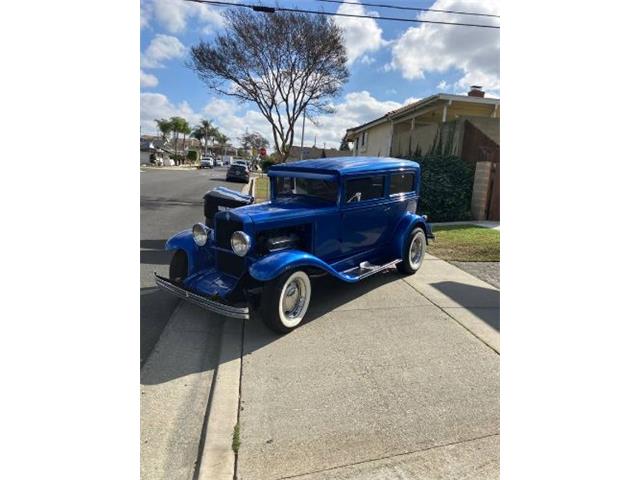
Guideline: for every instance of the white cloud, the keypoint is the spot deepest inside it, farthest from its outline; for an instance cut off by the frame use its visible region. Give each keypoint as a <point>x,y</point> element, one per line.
<point>361,35</point>
<point>355,109</point>
<point>431,48</point>
<point>148,80</point>
<point>156,105</point>
<point>228,117</point>
<point>443,85</point>
<point>367,60</point>
<point>162,48</point>
<point>174,15</point>
<point>146,12</point>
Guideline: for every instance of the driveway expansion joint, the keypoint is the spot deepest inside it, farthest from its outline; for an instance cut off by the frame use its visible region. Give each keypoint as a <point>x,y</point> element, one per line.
<point>453,318</point>
<point>434,447</point>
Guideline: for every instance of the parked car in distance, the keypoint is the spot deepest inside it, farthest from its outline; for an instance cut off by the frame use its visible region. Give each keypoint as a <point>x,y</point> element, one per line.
<point>238,171</point>
<point>349,217</point>
<point>206,162</point>
<point>217,162</point>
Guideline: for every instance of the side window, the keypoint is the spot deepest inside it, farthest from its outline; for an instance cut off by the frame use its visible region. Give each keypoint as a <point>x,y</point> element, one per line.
<point>366,188</point>
<point>401,183</point>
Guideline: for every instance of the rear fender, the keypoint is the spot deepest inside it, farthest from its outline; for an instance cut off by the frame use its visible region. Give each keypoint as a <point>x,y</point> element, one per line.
<point>274,265</point>
<point>404,228</point>
<point>198,257</point>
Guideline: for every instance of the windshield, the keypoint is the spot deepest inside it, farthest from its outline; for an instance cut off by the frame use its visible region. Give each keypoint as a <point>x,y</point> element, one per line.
<point>325,190</point>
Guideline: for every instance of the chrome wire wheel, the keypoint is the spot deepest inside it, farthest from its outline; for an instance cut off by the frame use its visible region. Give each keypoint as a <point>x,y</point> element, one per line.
<point>294,299</point>
<point>417,249</point>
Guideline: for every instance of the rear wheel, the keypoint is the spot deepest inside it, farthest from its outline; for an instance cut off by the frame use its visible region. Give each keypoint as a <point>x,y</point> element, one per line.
<point>285,301</point>
<point>414,251</point>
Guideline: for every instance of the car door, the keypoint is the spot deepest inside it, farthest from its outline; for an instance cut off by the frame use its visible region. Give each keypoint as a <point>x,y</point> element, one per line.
<point>364,213</point>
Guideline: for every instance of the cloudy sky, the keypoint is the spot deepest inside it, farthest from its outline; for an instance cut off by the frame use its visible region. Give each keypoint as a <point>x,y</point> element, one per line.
<point>391,63</point>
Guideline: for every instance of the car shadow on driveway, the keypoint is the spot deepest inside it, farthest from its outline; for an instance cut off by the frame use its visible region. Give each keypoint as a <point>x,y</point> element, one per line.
<point>329,294</point>
<point>154,305</point>
<point>483,302</point>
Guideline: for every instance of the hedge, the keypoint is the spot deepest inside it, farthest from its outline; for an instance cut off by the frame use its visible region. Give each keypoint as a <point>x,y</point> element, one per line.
<point>445,189</point>
<point>266,164</point>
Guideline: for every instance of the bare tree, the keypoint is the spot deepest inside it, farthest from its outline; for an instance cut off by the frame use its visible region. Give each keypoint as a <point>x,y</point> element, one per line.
<point>253,141</point>
<point>284,62</point>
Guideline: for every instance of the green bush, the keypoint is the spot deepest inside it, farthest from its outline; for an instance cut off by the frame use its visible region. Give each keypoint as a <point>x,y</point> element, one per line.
<point>192,155</point>
<point>266,163</point>
<point>445,189</point>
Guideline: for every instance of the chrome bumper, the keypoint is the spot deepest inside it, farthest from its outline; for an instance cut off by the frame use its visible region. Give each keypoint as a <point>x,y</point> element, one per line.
<point>203,302</point>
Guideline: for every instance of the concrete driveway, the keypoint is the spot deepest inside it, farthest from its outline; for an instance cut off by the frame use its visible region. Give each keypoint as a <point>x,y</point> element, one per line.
<point>394,377</point>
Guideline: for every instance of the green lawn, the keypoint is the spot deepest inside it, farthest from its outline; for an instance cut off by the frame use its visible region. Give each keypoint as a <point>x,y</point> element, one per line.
<point>466,243</point>
<point>262,189</point>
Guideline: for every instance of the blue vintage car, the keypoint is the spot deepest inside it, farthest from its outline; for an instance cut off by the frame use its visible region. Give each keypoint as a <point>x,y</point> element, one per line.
<point>349,217</point>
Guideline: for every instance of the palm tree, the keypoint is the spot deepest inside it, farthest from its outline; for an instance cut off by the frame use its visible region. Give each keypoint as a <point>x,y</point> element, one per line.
<point>165,127</point>
<point>198,134</point>
<point>223,139</point>
<point>207,129</point>
<point>177,126</point>
<point>185,130</point>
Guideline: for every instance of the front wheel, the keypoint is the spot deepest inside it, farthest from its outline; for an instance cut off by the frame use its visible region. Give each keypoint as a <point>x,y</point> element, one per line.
<point>285,301</point>
<point>414,251</point>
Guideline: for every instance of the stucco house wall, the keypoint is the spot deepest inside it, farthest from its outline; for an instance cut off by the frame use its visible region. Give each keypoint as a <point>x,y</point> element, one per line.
<point>377,141</point>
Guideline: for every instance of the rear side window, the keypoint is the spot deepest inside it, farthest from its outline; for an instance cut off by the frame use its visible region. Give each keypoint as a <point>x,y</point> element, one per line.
<point>366,188</point>
<point>401,183</point>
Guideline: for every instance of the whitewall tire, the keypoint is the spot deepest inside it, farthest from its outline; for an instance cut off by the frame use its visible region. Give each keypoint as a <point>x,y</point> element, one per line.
<point>285,301</point>
<point>414,251</point>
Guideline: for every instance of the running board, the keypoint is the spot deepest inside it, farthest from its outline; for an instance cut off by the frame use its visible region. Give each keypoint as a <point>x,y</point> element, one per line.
<point>365,269</point>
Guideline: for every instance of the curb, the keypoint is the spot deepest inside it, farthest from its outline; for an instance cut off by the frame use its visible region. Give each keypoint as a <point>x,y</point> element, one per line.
<point>247,188</point>
<point>217,460</point>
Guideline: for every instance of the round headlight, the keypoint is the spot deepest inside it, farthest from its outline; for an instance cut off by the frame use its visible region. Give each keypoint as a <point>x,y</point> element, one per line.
<point>240,243</point>
<point>200,234</point>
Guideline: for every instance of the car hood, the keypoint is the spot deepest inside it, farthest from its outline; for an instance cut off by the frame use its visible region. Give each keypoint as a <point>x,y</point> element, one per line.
<point>281,210</point>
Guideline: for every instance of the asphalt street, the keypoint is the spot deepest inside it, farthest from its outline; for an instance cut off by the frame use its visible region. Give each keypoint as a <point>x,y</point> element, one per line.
<point>170,201</point>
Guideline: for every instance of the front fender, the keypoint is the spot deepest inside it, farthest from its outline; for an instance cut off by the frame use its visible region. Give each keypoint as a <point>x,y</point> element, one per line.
<point>198,257</point>
<point>272,266</point>
<point>405,226</point>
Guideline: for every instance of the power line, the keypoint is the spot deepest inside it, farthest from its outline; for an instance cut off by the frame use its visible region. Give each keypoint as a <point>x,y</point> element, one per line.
<point>267,9</point>
<point>414,9</point>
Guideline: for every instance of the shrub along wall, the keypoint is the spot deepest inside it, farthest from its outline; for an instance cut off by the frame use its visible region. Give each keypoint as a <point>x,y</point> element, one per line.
<point>446,186</point>
<point>265,164</point>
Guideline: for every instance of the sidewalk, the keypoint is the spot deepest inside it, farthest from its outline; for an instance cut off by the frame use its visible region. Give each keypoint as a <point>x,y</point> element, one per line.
<point>393,377</point>
<point>169,167</point>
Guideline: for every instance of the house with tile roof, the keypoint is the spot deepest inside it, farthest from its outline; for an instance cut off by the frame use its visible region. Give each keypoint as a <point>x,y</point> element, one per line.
<point>467,126</point>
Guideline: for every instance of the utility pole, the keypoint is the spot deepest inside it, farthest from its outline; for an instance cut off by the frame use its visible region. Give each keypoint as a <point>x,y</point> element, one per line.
<point>304,117</point>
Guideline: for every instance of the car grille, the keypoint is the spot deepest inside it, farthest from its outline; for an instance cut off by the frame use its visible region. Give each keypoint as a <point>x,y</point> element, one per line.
<point>224,229</point>
<point>227,262</point>
<point>230,263</point>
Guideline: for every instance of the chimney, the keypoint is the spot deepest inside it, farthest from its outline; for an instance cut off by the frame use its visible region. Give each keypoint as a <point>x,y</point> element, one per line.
<point>476,91</point>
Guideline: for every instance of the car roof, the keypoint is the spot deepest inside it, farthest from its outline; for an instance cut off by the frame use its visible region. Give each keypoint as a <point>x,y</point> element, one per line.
<point>344,165</point>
